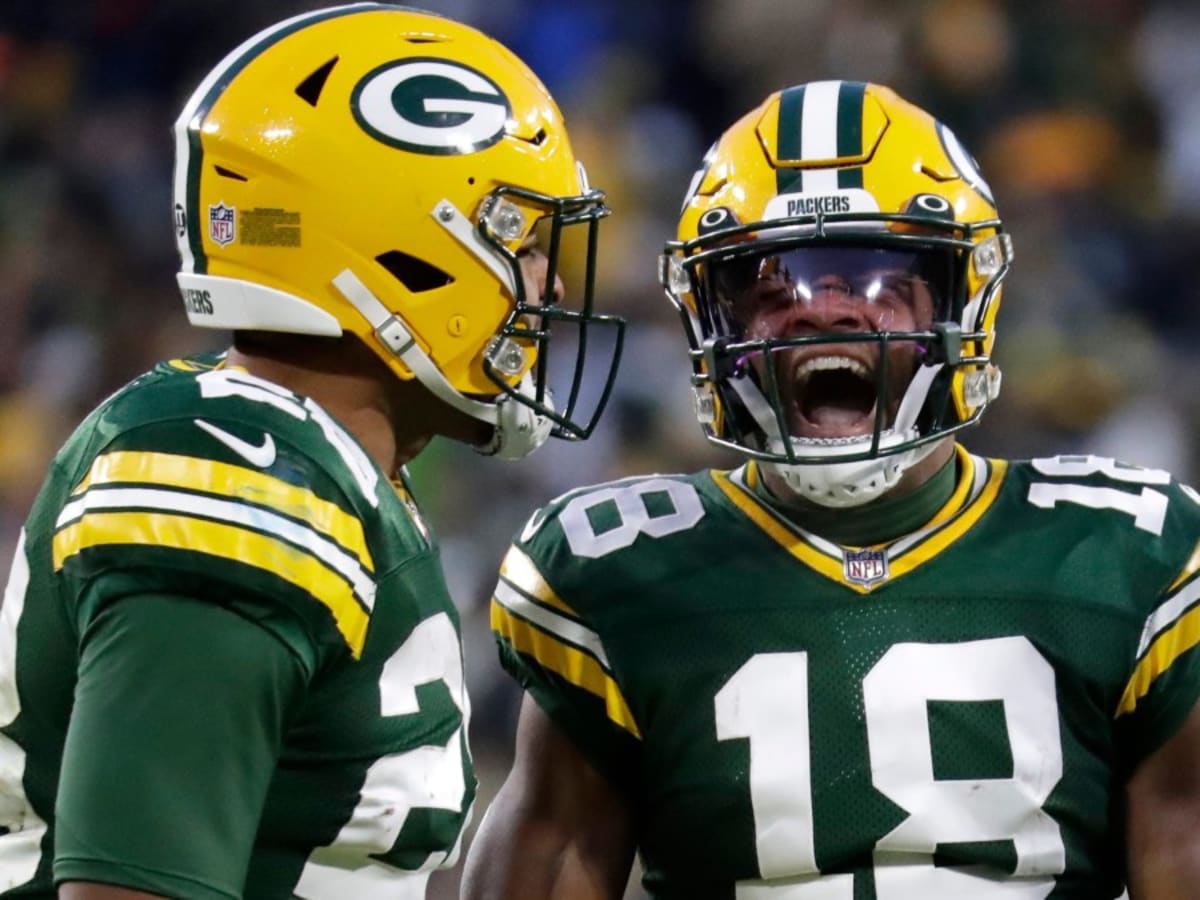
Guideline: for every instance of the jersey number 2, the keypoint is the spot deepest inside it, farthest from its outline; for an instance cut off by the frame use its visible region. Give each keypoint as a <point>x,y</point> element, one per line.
<point>896,693</point>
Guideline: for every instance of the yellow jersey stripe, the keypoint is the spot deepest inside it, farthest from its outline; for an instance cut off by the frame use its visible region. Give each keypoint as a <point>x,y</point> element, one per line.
<point>957,499</point>
<point>231,512</point>
<point>520,571</point>
<point>1166,614</point>
<point>952,530</point>
<point>226,541</point>
<point>1190,568</point>
<point>568,662</point>
<point>570,631</point>
<point>236,482</point>
<point>1167,647</point>
<point>191,365</point>
<point>779,532</point>
<point>966,466</point>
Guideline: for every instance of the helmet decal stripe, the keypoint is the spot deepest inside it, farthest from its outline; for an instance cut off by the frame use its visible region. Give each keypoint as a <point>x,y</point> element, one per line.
<point>820,121</point>
<point>850,131</point>
<point>850,177</point>
<point>849,118</point>
<point>791,113</point>
<point>189,151</point>
<point>818,136</point>
<point>817,139</point>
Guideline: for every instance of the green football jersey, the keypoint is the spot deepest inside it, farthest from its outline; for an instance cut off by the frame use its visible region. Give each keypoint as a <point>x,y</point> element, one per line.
<point>224,515</point>
<point>951,714</point>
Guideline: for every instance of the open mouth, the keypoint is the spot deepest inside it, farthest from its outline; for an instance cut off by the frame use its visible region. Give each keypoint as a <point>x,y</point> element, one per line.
<point>834,397</point>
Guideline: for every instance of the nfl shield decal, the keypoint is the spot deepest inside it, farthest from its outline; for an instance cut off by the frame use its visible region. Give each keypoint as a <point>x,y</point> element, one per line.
<point>865,567</point>
<point>221,227</point>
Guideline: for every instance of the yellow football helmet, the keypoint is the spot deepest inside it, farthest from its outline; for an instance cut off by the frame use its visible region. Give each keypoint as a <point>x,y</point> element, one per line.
<point>839,176</point>
<point>373,170</point>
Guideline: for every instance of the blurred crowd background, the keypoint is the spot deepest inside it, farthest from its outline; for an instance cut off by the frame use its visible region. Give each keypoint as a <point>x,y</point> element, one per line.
<point>1084,114</point>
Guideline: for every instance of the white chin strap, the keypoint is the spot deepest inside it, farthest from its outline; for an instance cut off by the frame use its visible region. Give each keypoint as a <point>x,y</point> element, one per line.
<point>848,484</point>
<point>518,429</point>
<point>840,485</point>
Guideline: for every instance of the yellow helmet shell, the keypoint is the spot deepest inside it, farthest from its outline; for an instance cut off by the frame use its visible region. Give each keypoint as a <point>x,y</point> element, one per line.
<point>326,143</point>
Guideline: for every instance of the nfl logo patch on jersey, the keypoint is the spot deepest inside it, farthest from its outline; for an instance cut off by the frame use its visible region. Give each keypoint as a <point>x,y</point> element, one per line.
<point>865,567</point>
<point>221,227</point>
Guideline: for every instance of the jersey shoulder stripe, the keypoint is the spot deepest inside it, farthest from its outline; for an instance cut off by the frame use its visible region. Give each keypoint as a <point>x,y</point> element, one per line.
<point>1170,631</point>
<point>226,512</point>
<point>527,615</point>
<point>195,471</point>
<point>210,477</point>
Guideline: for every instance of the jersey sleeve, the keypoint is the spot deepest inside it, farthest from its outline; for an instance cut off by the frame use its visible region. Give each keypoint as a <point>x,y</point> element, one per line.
<point>179,712</point>
<point>165,507</point>
<point>1164,685</point>
<point>557,654</point>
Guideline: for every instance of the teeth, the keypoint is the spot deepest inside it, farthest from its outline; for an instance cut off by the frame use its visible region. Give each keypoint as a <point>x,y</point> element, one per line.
<point>831,363</point>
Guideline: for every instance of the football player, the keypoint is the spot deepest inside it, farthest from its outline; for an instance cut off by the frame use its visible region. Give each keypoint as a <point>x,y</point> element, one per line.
<point>868,663</point>
<point>230,667</point>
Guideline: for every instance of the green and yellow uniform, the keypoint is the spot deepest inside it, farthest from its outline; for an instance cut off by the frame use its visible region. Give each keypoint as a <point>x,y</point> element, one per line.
<point>229,665</point>
<point>949,714</point>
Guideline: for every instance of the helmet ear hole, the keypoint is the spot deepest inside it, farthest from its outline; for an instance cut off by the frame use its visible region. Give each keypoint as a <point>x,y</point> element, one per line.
<point>415,274</point>
<point>309,90</point>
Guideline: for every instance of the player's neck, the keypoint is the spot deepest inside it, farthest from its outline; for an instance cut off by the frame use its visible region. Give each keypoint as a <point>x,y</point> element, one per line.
<point>347,381</point>
<point>393,419</point>
<point>897,513</point>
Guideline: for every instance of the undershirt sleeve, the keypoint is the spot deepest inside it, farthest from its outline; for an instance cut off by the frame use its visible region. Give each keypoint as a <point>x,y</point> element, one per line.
<point>180,709</point>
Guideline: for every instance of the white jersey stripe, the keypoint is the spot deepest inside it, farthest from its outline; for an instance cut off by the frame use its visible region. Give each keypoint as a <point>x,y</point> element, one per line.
<point>233,513</point>
<point>1168,614</point>
<point>560,626</point>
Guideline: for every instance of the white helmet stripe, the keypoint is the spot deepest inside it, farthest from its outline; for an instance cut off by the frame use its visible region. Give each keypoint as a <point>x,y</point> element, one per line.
<point>818,140</point>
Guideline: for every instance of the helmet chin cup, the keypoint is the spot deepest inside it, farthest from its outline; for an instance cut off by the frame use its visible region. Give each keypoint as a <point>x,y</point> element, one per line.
<point>843,485</point>
<point>519,428</point>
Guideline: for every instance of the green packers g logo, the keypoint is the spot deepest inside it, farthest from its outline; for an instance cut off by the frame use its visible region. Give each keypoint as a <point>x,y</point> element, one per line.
<point>430,105</point>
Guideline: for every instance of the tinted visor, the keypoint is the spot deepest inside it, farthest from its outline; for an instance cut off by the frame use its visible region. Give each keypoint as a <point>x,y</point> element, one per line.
<point>806,289</point>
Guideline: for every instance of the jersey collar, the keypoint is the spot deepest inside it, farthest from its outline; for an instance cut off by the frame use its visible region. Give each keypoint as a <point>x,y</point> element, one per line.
<point>867,568</point>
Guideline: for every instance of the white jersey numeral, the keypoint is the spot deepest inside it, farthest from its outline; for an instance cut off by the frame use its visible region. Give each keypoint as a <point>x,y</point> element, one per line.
<point>629,501</point>
<point>429,777</point>
<point>20,846</point>
<point>896,693</point>
<point>1148,508</point>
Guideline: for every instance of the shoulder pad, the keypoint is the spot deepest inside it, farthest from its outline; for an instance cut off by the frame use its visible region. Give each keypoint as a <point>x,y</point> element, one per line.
<point>221,477</point>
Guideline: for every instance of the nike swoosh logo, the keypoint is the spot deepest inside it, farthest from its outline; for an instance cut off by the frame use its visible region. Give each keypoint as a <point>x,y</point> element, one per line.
<point>533,526</point>
<point>260,455</point>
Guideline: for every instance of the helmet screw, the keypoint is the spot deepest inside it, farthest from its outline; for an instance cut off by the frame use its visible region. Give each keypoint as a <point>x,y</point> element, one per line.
<point>457,325</point>
<point>445,212</point>
<point>505,220</point>
<point>507,356</point>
